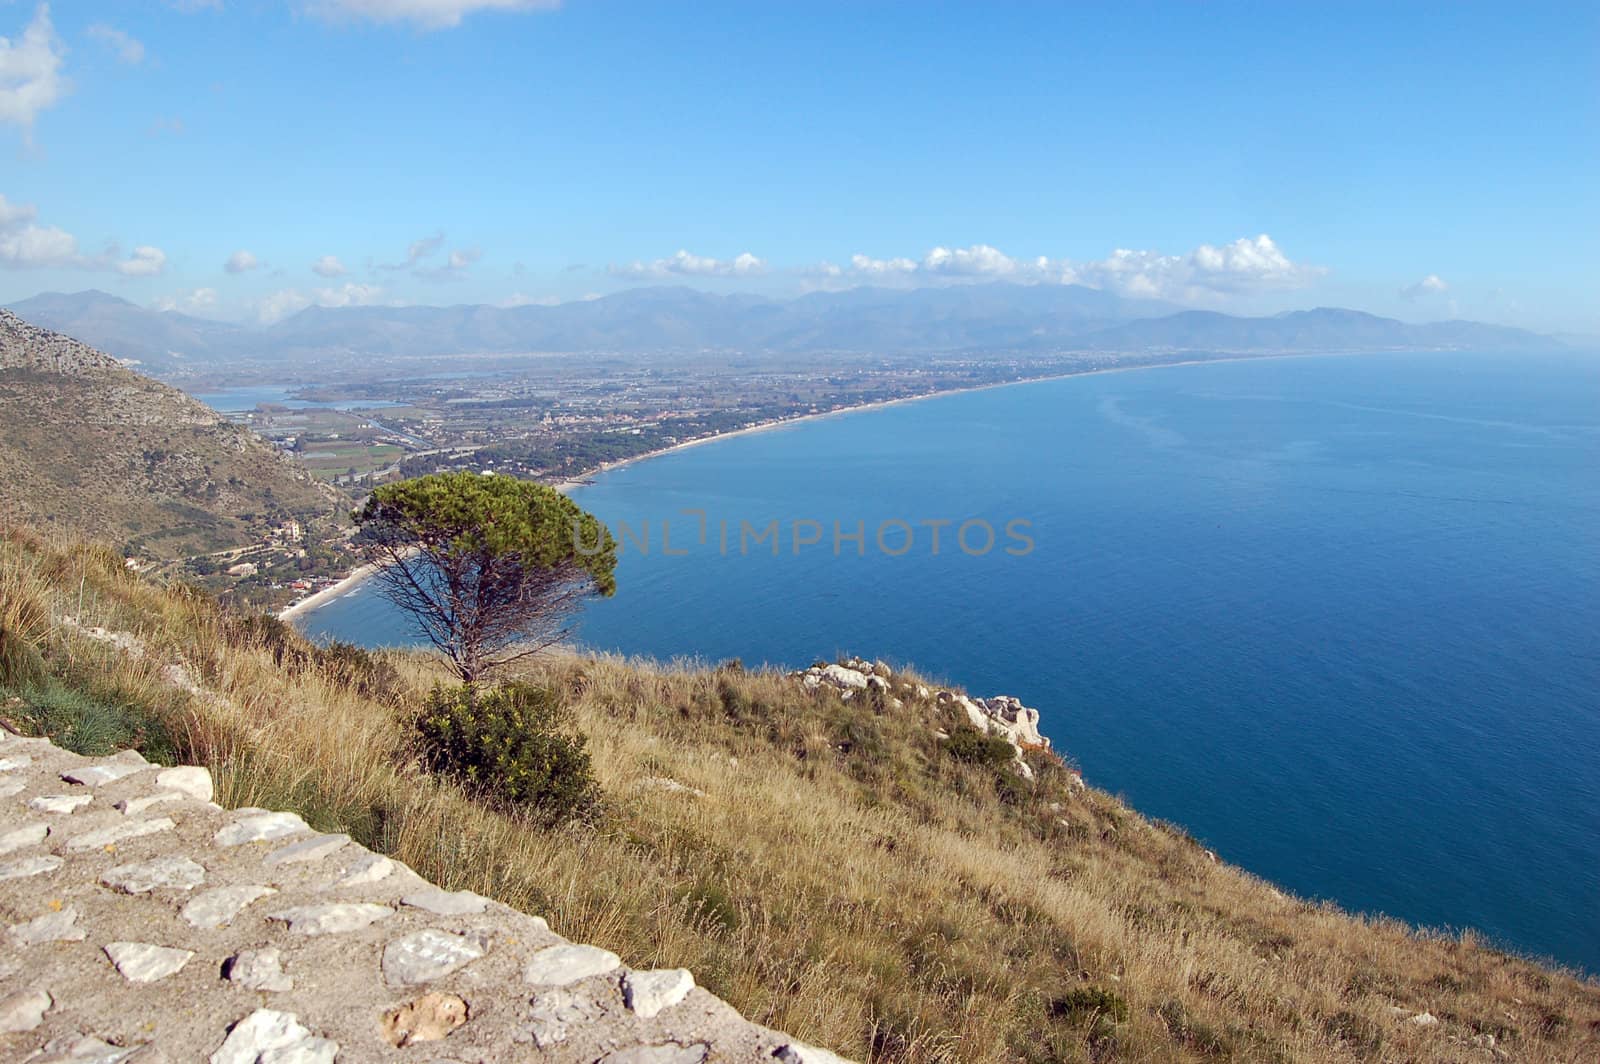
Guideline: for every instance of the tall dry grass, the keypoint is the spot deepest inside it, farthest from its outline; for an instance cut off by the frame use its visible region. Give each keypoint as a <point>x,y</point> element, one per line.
<point>829,869</point>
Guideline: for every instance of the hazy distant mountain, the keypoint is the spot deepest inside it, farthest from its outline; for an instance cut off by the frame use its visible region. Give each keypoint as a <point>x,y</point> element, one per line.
<point>160,342</point>
<point>1322,329</point>
<point>683,319</point>
<point>979,317</point>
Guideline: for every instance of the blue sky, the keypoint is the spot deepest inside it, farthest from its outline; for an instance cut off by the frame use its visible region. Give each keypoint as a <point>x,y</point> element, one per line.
<point>244,158</point>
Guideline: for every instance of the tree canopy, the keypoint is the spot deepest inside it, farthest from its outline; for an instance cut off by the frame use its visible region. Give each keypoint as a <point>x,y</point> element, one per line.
<point>490,567</point>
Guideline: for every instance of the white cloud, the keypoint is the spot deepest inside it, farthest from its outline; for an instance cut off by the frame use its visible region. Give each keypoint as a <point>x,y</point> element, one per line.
<point>24,244</point>
<point>881,267</point>
<point>129,49</point>
<point>329,266</point>
<point>683,264</point>
<point>146,261</point>
<point>427,14</point>
<point>241,261</point>
<point>1242,267</point>
<point>30,71</point>
<point>1431,285</point>
<point>195,301</point>
<point>27,245</point>
<point>289,301</point>
<point>979,260</point>
<point>1202,275</point>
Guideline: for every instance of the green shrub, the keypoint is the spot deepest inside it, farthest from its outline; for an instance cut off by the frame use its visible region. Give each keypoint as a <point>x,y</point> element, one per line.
<point>974,747</point>
<point>1086,1003</point>
<point>509,746</point>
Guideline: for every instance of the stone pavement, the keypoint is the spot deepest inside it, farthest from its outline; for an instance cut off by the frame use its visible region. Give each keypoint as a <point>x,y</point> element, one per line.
<point>143,923</point>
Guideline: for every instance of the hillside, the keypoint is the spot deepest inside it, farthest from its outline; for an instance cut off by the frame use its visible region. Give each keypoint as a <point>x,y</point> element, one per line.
<point>90,448</point>
<point>869,874</point>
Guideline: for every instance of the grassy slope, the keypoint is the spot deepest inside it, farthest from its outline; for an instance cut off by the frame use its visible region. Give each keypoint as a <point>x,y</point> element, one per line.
<point>842,877</point>
<point>88,447</point>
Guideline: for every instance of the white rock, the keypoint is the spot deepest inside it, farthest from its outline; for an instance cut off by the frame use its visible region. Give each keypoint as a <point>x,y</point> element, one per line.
<point>261,827</point>
<point>647,993</point>
<point>93,840</point>
<point>877,683</point>
<point>175,873</point>
<point>135,806</point>
<point>60,803</point>
<point>331,919</point>
<point>11,764</point>
<point>368,868</point>
<point>143,962</point>
<point>28,866</point>
<point>258,969</point>
<point>427,955</point>
<point>800,1053</point>
<point>190,779</point>
<point>23,1011</point>
<point>1425,1019</point>
<point>26,835</point>
<point>560,965</point>
<point>261,1031</point>
<point>312,849</point>
<point>306,1051</point>
<point>8,787</point>
<point>843,678</point>
<point>447,903</point>
<point>51,927</point>
<point>217,907</point>
<point>104,772</point>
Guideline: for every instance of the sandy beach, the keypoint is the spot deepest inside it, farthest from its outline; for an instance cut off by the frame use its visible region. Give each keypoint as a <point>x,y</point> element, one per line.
<point>327,594</point>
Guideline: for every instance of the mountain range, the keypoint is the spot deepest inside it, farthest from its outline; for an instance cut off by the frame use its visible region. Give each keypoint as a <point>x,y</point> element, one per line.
<point>978,318</point>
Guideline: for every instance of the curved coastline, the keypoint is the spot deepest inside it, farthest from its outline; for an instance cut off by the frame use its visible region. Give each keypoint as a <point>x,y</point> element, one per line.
<point>356,577</point>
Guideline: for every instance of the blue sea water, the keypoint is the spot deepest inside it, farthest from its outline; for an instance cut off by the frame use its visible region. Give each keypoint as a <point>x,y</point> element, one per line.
<point>1339,617</point>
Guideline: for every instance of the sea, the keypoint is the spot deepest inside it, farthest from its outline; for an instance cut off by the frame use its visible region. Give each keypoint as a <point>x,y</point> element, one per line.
<point>1338,617</point>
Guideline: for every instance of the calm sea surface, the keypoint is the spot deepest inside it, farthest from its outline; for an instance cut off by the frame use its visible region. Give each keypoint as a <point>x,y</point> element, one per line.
<point>1339,617</point>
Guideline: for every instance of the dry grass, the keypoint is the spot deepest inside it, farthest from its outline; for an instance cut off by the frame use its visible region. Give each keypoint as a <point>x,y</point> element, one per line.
<point>841,877</point>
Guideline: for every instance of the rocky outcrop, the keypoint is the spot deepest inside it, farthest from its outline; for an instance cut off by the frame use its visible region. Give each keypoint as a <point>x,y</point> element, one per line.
<point>143,923</point>
<point>1001,715</point>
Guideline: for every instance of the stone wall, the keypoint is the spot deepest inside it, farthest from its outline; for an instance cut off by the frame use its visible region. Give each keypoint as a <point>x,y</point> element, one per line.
<point>144,923</point>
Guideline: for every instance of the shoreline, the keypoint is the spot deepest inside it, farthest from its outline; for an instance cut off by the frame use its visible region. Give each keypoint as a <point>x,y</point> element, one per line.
<point>349,582</point>
<point>358,576</point>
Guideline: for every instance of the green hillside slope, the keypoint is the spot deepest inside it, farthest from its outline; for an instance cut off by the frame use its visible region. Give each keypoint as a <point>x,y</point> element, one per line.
<point>90,448</point>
